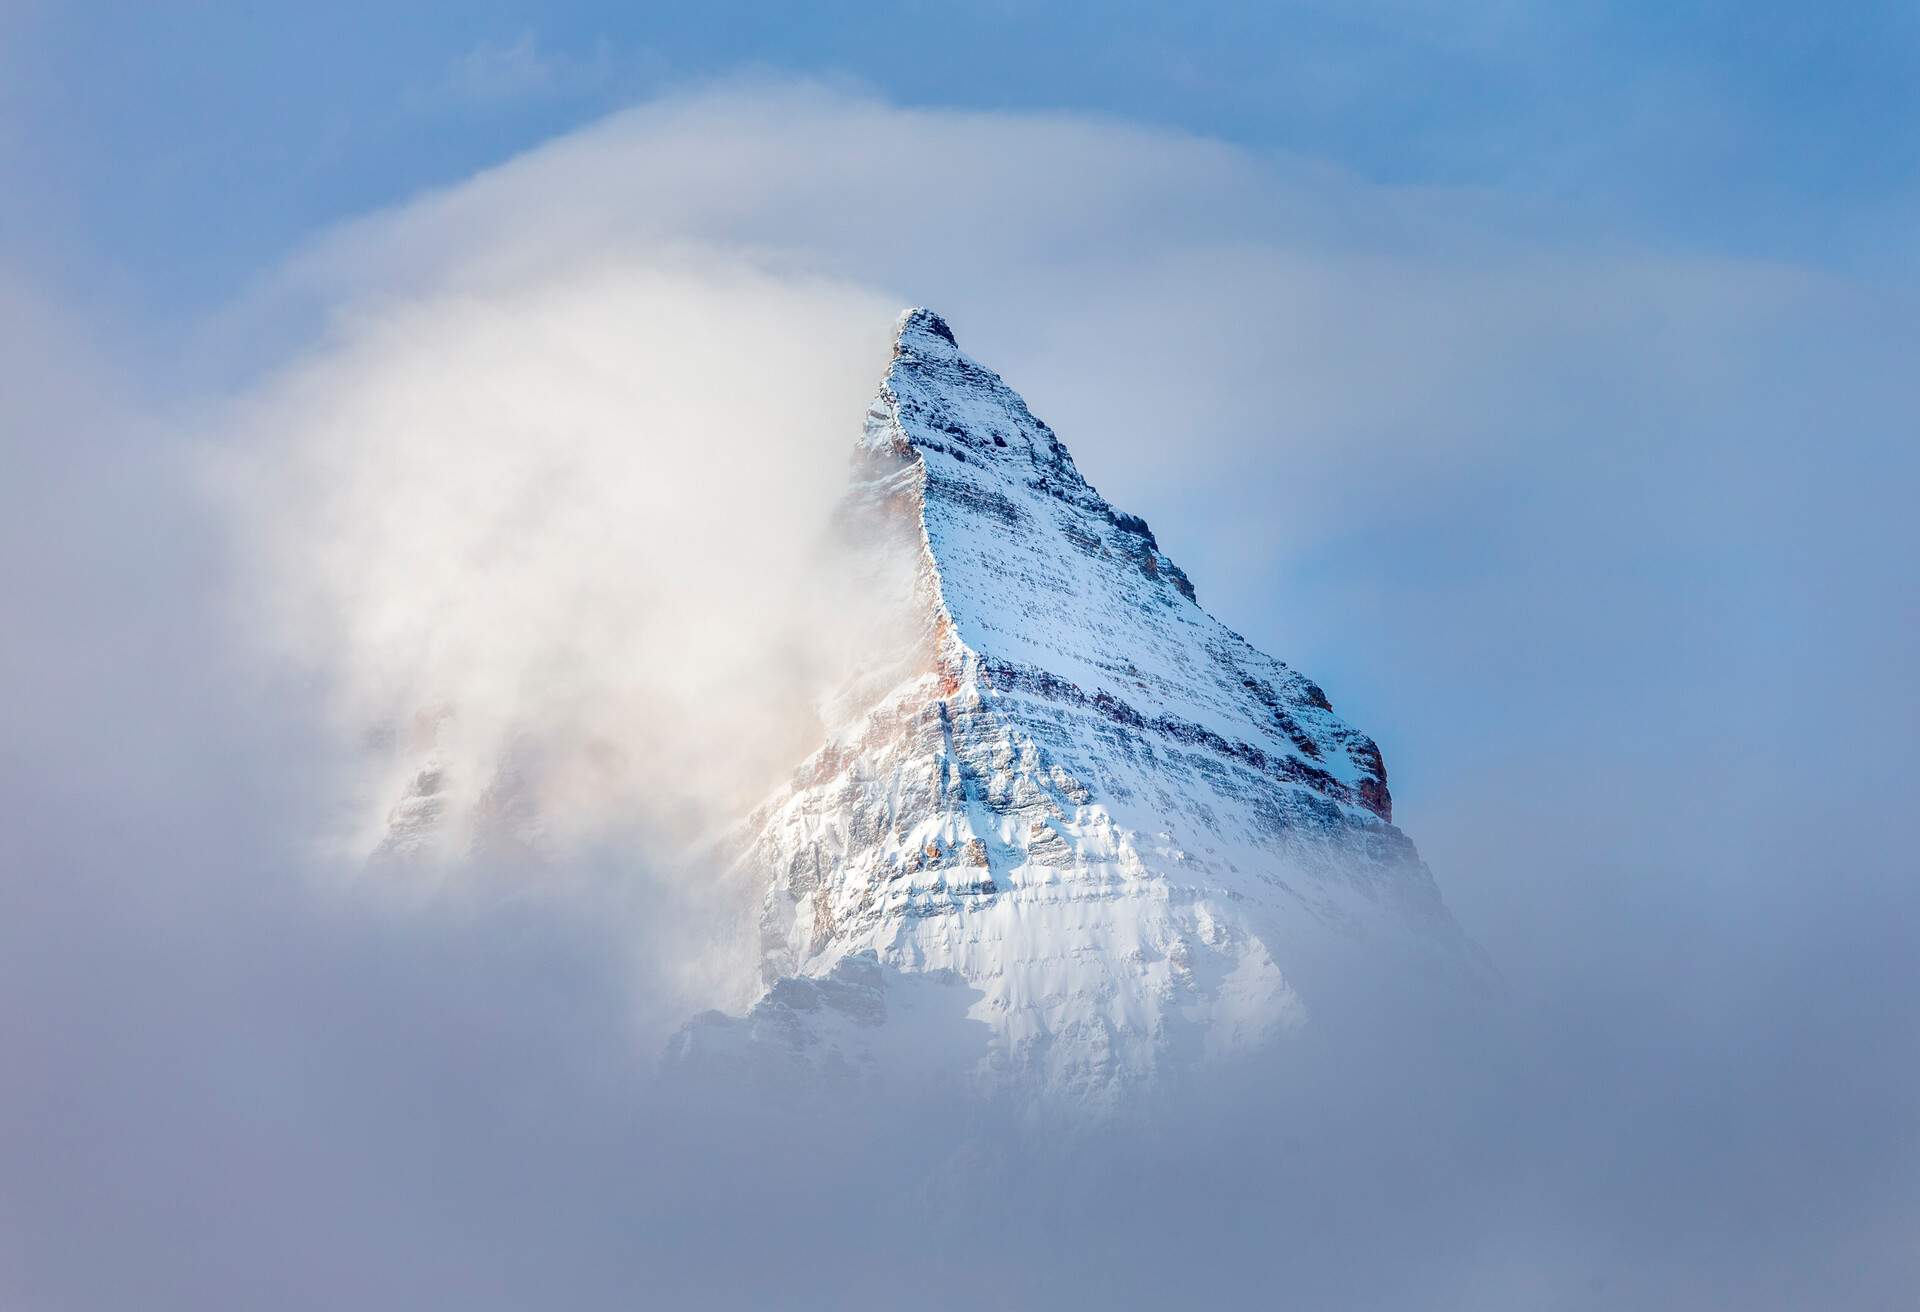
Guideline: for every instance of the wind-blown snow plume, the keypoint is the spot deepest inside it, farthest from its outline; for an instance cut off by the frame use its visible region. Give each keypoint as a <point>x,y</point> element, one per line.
<point>558,540</point>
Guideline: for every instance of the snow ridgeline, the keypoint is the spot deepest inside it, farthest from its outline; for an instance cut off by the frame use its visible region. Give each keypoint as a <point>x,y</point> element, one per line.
<point>1074,831</point>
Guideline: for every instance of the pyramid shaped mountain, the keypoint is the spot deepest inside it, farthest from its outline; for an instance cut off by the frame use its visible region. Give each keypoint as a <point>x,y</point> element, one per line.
<point>1081,823</point>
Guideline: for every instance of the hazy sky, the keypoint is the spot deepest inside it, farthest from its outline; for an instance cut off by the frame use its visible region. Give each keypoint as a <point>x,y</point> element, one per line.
<point>165,153</point>
<point>1541,385</point>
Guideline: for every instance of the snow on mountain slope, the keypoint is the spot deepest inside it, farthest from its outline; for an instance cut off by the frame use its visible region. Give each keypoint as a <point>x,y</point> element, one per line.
<point>1133,838</point>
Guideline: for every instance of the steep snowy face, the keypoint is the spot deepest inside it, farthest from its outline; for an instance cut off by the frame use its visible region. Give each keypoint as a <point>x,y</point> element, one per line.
<point>1124,834</point>
<point>1063,596</point>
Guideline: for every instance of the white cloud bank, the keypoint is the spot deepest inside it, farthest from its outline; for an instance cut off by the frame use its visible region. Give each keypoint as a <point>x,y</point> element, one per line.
<point>567,523</point>
<point>1609,544</point>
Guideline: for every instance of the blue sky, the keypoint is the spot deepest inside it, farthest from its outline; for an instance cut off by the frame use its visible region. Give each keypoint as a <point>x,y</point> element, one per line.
<point>160,153</point>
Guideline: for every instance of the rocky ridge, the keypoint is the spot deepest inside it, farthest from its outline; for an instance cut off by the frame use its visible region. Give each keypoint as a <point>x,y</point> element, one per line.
<point>1113,833</point>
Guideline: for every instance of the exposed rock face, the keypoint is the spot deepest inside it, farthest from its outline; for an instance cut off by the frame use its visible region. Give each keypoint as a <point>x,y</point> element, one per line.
<point>1132,836</point>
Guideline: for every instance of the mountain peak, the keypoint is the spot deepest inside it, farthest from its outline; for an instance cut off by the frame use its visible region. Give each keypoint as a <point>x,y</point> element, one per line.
<point>921,322</point>
<point>1128,833</point>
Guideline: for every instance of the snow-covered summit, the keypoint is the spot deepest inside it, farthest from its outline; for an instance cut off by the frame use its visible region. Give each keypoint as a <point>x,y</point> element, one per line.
<point>1043,577</point>
<point>1125,835</point>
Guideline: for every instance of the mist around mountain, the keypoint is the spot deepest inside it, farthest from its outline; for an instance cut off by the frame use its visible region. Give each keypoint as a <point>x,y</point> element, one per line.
<point>1603,546</point>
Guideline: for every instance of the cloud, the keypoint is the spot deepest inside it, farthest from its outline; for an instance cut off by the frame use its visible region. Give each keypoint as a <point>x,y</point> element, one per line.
<point>492,70</point>
<point>533,508</point>
<point>493,73</point>
<point>1605,543</point>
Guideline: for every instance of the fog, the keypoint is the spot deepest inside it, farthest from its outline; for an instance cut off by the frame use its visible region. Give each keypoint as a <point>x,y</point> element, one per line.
<point>1606,545</point>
